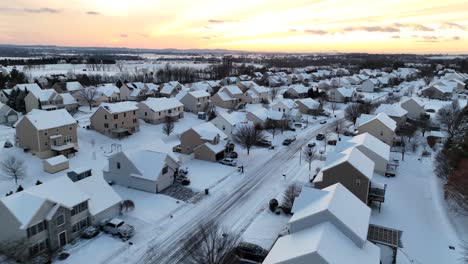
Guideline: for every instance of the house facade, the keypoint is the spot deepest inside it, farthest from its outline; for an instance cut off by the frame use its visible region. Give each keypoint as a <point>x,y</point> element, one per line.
<point>156,110</point>
<point>380,126</point>
<point>116,120</point>
<point>196,101</point>
<point>7,115</point>
<point>308,106</point>
<point>413,106</point>
<point>47,133</point>
<point>206,134</point>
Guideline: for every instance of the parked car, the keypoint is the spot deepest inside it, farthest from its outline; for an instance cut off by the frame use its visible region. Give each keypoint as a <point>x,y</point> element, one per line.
<point>233,155</point>
<point>118,227</point>
<point>311,145</point>
<point>288,141</point>
<point>90,232</point>
<point>323,122</point>
<point>430,110</point>
<point>320,136</point>
<point>251,251</point>
<point>228,161</point>
<point>264,143</point>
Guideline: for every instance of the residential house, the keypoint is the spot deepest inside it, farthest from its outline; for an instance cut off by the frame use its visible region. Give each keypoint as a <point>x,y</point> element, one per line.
<point>380,126</point>
<point>370,85</point>
<point>133,91</point>
<point>196,101</point>
<point>107,93</point>
<point>394,111</point>
<point>25,87</point>
<point>170,89</point>
<point>284,105</point>
<point>326,220</point>
<point>201,86</point>
<point>50,215</point>
<point>205,140</point>
<point>297,91</point>
<point>352,168</point>
<point>372,147</point>
<point>67,87</point>
<point>69,102</point>
<point>7,115</point>
<point>441,90</point>
<point>157,110</point>
<point>342,95</point>
<point>262,115</point>
<point>152,91</point>
<point>228,97</point>
<point>47,99</point>
<point>254,94</point>
<point>47,133</point>
<point>229,81</point>
<point>308,106</point>
<point>141,169</point>
<point>227,122</point>
<point>414,106</point>
<point>116,120</point>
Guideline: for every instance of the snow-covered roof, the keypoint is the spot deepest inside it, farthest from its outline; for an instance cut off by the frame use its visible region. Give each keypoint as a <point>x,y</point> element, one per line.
<point>102,196</point>
<point>54,161</point>
<point>120,107</point>
<point>346,91</point>
<point>413,99</point>
<point>73,86</point>
<point>391,110</point>
<point>216,148</point>
<point>352,156</point>
<point>309,103</point>
<point>368,141</point>
<point>208,131</point>
<point>362,119</point>
<point>44,95</point>
<point>68,99</point>
<point>382,117</point>
<point>28,86</point>
<point>200,86</point>
<point>232,118</point>
<point>152,87</point>
<point>60,190</point>
<point>299,88</point>
<point>49,119</point>
<point>149,163</point>
<point>289,103</point>
<point>334,204</point>
<point>108,90</point>
<point>225,96</point>
<point>161,104</point>
<point>23,206</point>
<point>323,243</point>
<point>199,94</point>
<point>168,88</point>
<point>232,89</point>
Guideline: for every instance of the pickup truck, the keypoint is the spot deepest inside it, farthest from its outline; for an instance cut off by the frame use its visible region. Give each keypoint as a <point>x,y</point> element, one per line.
<point>118,227</point>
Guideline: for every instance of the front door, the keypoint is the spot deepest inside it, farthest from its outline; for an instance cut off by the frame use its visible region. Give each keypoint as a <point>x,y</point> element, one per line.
<point>62,239</point>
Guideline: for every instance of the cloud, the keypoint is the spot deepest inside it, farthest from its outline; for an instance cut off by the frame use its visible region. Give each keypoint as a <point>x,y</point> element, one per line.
<point>426,38</point>
<point>372,29</point>
<point>396,37</point>
<point>220,21</point>
<point>93,13</point>
<point>123,35</point>
<point>456,38</point>
<point>293,30</point>
<point>446,25</point>
<point>316,31</point>
<point>422,28</point>
<point>42,10</point>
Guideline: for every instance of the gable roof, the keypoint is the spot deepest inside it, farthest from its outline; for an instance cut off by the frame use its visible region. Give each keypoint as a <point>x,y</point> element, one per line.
<point>382,117</point>
<point>346,92</point>
<point>368,141</point>
<point>391,110</point>
<point>149,163</point>
<point>412,99</point>
<point>107,90</point>
<point>28,86</point>
<point>102,196</point>
<point>73,86</point>
<point>60,190</point>
<point>289,103</point>
<point>309,103</point>
<point>233,89</point>
<point>44,95</point>
<point>23,206</point>
<point>41,119</point>
<point>120,107</point>
<point>161,104</point>
<point>232,118</point>
<point>208,131</point>
<point>354,157</point>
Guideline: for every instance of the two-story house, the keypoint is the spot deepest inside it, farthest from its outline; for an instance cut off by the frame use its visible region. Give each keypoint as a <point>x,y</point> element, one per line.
<point>47,99</point>
<point>156,110</point>
<point>116,120</point>
<point>205,140</point>
<point>47,133</point>
<point>196,101</point>
<point>133,91</point>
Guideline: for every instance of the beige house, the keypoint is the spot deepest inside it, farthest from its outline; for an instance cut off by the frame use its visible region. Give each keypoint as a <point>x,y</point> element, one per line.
<point>55,164</point>
<point>145,170</point>
<point>7,115</point>
<point>351,168</point>
<point>439,90</point>
<point>47,133</point>
<point>380,126</point>
<point>107,93</point>
<point>135,91</point>
<point>297,91</point>
<point>196,101</point>
<point>308,106</point>
<point>116,120</point>
<point>47,99</point>
<point>227,122</point>
<point>285,106</point>
<point>50,215</point>
<point>5,93</point>
<point>228,97</point>
<point>261,116</point>
<point>206,141</point>
<point>156,110</point>
<point>67,87</point>
<point>170,89</point>
<point>394,111</point>
<point>342,95</point>
<point>413,106</point>
<point>255,94</point>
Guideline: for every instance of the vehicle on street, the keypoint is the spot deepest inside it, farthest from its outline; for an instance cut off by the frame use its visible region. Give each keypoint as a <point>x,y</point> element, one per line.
<point>320,136</point>
<point>430,110</point>
<point>323,122</point>
<point>288,141</point>
<point>90,232</point>
<point>251,252</point>
<point>264,143</point>
<point>311,145</point>
<point>228,161</point>
<point>118,227</point>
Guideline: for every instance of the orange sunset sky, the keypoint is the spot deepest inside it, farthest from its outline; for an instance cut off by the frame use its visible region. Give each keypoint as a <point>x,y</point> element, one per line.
<point>409,26</point>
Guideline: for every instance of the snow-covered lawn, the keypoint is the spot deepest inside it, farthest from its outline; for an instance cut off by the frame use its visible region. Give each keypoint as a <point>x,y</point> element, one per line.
<point>414,204</point>
<point>204,174</point>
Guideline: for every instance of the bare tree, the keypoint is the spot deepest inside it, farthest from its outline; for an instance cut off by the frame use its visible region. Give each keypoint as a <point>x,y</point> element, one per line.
<point>14,168</point>
<point>274,92</point>
<point>272,127</point>
<point>211,245</point>
<point>168,126</point>
<point>446,116</point>
<point>248,135</point>
<point>127,205</point>
<point>352,112</point>
<point>89,95</point>
<point>407,133</point>
<point>334,106</point>
<point>289,196</point>
<point>339,126</point>
<point>309,154</point>
<point>423,123</point>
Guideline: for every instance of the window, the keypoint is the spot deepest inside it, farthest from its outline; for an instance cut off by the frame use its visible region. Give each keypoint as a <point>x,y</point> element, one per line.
<point>60,220</point>
<point>165,170</point>
<point>118,165</point>
<point>38,247</point>
<point>45,133</point>
<point>106,125</point>
<point>381,133</point>
<point>134,112</point>
<point>125,114</point>
<point>146,113</point>
<point>358,182</point>
<point>115,125</point>
<point>159,113</point>
<point>116,116</point>
<point>80,225</point>
<point>134,120</point>
<point>224,127</point>
<point>169,111</point>
<point>36,229</point>
<point>46,143</point>
<point>79,208</point>
<point>105,116</point>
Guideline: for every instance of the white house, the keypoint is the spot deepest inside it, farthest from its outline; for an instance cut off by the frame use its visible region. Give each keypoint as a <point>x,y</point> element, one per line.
<point>228,122</point>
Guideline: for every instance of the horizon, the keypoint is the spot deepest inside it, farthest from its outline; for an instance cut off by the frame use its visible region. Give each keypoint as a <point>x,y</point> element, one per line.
<point>302,26</point>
